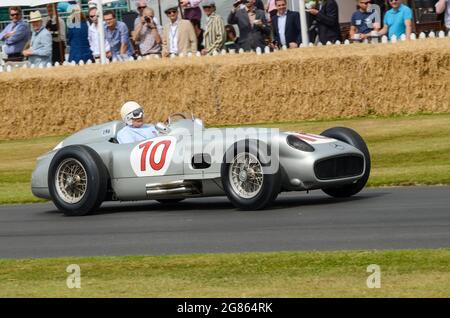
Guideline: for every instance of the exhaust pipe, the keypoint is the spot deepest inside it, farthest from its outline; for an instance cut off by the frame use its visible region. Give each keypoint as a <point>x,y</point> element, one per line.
<point>172,189</point>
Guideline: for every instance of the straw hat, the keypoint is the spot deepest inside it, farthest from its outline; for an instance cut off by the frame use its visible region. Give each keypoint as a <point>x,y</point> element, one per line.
<point>35,16</point>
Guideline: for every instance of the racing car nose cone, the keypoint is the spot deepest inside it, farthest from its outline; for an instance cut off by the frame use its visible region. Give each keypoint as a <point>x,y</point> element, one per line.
<point>243,175</point>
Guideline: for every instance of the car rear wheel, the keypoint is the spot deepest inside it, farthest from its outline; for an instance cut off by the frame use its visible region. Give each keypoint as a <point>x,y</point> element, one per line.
<point>350,137</point>
<point>77,180</point>
<point>247,180</point>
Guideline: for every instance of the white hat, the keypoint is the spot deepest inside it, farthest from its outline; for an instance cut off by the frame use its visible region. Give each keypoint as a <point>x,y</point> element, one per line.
<point>35,16</point>
<point>131,110</point>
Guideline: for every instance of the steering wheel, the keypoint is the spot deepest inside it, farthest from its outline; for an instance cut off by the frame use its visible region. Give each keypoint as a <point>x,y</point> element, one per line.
<point>183,116</point>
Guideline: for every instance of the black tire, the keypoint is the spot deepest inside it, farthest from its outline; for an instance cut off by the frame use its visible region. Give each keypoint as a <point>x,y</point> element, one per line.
<point>271,183</point>
<point>96,180</point>
<point>350,137</point>
<point>170,201</point>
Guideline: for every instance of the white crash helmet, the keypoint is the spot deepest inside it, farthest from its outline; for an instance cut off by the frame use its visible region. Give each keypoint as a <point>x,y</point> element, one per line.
<point>131,110</point>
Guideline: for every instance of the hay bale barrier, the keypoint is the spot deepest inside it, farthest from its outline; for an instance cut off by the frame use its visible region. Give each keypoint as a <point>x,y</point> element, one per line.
<point>308,83</point>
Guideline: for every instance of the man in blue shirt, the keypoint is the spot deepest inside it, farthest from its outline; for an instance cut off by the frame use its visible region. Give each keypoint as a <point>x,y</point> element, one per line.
<point>397,21</point>
<point>116,33</point>
<point>365,20</point>
<point>15,35</point>
<point>135,130</point>
<point>40,51</point>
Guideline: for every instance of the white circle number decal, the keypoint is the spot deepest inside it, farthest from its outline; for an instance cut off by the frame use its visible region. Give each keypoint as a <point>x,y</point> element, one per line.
<point>152,157</point>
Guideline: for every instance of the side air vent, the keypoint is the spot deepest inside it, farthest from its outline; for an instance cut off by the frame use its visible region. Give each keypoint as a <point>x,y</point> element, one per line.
<point>201,161</point>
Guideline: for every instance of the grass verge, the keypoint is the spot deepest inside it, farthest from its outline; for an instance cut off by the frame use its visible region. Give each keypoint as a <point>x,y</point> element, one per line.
<point>404,273</point>
<point>406,150</point>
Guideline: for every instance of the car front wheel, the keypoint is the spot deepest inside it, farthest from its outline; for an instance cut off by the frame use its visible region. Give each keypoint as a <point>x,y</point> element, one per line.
<point>352,138</point>
<point>77,180</point>
<point>248,182</point>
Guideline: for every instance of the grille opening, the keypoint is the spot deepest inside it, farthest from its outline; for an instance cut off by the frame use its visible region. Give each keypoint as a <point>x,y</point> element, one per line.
<point>339,167</point>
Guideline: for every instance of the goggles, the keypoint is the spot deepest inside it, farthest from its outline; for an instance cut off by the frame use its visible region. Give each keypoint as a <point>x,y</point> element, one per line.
<point>135,114</point>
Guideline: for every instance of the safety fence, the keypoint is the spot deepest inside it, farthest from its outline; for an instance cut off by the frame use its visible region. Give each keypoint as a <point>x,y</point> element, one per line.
<point>8,67</point>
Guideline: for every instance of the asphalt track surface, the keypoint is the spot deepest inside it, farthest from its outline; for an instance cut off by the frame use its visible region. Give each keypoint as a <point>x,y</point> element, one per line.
<point>383,218</point>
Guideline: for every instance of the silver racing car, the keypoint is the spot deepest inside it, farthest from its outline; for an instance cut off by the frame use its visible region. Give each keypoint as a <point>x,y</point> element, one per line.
<point>251,166</point>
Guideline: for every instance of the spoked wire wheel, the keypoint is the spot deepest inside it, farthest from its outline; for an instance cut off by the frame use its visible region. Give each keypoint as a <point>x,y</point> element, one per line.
<point>71,181</point>
<point>246,175</point>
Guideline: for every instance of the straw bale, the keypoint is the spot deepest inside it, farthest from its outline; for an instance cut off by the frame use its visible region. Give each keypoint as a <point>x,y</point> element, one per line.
<point>309,83</point>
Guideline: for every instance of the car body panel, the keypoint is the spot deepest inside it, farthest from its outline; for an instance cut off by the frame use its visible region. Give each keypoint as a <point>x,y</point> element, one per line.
<point>137,169</point>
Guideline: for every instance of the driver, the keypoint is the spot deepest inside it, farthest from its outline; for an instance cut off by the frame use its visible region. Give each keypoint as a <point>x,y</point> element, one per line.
<point>135,130</point>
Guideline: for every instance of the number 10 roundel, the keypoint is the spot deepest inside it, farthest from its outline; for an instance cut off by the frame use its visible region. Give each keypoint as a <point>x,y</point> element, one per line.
<point>152,157</point>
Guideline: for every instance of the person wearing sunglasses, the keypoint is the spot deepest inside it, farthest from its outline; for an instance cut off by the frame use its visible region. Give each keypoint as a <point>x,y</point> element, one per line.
<point>141,5</point>
<point>146,34</point>
<point>365,20</point>
<point>15,35</point>
<point>94,35</point>
<point>398,20</point>
<point>135,130</point>
<point>178,35</point>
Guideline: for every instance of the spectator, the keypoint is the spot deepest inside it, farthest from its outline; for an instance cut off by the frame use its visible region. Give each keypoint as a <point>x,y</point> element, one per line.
<point>135,130</point>
<point>15,35</point>
<point>271,9</point>
<point>252,23</point>
<point>146,34</point>
<point>215,29</point>
<point>40,51</point>
<point>191,9</point>
<point>397,21</point>
<point>286,26</point>
<point>179,35</point>
<point>327,20</point>
<point>232,39</point>
<point>94,35</point>
<point>198,33</point>
<point>141,6</point>
<point>78,37</point>
<point>365,20</point>
<point>58,31</point>
<point>116,33</point>
<point>441,6</point>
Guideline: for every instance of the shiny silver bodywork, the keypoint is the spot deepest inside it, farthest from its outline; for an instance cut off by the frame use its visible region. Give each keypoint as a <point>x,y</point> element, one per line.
<point>182,178</point>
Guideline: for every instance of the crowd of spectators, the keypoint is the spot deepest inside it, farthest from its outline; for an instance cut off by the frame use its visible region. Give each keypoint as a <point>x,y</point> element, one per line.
<point>259,25</point>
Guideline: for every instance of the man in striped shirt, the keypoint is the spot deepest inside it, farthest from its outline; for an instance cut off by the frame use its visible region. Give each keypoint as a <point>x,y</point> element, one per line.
<point>215,35</point>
